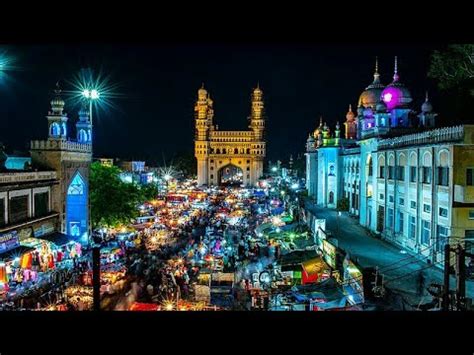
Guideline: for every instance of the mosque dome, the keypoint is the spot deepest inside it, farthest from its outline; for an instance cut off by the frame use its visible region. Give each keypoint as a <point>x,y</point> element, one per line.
<point>370,96</point>
<point>426,106</point>
<point>350,116</point>
<point>396,94</point>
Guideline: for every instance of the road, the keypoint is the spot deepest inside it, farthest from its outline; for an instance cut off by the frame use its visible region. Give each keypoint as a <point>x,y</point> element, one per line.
<point>369,251</point>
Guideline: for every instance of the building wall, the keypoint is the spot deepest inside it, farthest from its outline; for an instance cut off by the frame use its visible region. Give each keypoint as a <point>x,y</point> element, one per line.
<point>418,212</point>
<point>67,159</point>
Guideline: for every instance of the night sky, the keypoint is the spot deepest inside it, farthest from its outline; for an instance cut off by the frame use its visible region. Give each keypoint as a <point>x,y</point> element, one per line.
<point>158,83</point>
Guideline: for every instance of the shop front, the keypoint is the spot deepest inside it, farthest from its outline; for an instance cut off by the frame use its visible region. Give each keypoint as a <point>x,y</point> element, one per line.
<point>314,270</point>
<point>353,282</point>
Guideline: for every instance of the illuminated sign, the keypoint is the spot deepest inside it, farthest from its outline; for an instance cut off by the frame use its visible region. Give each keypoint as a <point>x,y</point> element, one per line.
<point>353,283</point>
<point>9,241</point>
<point>329,254</point>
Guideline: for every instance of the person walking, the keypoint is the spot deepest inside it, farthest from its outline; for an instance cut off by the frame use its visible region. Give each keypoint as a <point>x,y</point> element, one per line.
<point>421,282</point>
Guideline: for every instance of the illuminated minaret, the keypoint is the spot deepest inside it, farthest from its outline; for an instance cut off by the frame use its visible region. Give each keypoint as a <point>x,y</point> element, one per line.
<point>203,116</point>
<point>84,127</point>
<point>350,125</point>
<point>257,119</point>
<point>57,119</point>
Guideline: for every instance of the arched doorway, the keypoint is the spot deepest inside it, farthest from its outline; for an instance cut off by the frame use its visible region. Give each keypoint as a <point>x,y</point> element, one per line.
<point>76,208</point>
<point>230,175</point>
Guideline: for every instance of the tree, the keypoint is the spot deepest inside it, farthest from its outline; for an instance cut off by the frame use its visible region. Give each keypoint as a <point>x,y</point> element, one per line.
<point>343,204</point>
<point>113,202</point>
<point>149,191</point>
<point>453,67</point>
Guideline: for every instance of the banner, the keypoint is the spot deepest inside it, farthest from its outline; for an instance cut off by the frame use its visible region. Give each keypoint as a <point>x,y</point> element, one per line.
<point>9,241</point>
<point>329,254</point>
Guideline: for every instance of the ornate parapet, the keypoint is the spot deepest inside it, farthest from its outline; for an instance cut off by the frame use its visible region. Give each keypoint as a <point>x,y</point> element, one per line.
<point>16,177</point>
<point>61,145</point>
<point>440,135</point>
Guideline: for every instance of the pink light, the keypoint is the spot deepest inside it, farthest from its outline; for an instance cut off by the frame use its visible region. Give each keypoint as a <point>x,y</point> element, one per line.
<point>387,97</point>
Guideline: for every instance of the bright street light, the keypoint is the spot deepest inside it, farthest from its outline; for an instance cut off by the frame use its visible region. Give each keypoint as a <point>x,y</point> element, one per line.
<point>274,169</point>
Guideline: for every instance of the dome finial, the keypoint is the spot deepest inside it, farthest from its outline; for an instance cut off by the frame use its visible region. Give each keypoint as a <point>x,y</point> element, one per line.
<point>376,73</point>
<point>395,72</point>
<point>202,85</point>
<point>426,96</point>
<point>350,107</point>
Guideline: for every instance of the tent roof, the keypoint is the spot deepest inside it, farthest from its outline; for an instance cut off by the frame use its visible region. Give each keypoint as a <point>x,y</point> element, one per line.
<point>57,238</point>
<point>17,252</point>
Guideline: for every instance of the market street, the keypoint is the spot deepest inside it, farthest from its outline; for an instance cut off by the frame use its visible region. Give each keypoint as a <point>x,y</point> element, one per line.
<point>370,251</point>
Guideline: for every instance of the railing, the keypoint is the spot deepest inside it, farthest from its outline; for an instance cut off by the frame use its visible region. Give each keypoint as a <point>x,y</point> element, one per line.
<point>447,134</point>
<point>27,176</point>
<point>62,145</point>
<point>232,133</point>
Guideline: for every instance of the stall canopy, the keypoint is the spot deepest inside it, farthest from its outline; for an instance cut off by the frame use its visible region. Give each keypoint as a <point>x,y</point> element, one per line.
<point>14,253</point>
<point>137,306</point>
<point>57,238</point>
<point>312,269</point>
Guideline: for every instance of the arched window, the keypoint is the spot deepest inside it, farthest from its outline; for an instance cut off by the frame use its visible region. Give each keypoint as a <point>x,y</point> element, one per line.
<point>55,130</point>
<point>63,130</point>
<point>218,151</point>
<point>248,150</point>
<point>236,151</point>
<point>82,136</point>
<point>224,151</point>
<point>331,197</point>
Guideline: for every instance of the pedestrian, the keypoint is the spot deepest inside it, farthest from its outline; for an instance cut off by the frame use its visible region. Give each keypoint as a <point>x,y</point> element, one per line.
<point>421,281</point>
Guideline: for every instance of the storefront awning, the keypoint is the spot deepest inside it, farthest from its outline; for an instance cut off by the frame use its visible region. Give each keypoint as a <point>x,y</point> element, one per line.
<point>314,266</point>
<point>57,238</point>
<point>15,253</point>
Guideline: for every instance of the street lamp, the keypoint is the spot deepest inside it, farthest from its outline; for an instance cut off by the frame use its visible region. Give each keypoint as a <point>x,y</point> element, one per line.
<point>91,95</point>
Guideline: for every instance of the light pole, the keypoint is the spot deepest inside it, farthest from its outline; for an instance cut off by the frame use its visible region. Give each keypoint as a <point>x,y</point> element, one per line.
<point>91,95</point>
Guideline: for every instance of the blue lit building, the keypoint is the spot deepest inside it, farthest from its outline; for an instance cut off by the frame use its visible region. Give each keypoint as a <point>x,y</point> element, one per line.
<point>71,160</point>
<point>403,178</point>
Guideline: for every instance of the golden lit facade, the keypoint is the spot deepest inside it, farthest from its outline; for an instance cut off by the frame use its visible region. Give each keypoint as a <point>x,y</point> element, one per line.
<point>217,151</point>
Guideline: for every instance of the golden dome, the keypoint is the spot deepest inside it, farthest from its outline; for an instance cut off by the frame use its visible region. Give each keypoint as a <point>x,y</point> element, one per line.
<point>350,116</point>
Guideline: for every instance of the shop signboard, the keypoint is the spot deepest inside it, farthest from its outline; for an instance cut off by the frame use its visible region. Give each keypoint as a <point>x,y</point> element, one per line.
<point>44,229</point>
<point>353,282</point>
<point>9,241</point>
<point>319,232</point>
<point>329,254</point>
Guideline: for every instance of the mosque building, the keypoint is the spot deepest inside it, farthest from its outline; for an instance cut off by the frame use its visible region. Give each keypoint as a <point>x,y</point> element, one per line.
<point>229,156</point>
<point>402,177</point>
<point>48,196</point>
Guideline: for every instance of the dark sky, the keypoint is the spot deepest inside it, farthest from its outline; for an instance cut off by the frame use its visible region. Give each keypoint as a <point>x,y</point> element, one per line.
<point>158,85</point>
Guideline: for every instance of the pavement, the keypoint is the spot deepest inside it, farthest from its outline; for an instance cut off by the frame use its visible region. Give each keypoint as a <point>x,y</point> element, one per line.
<point>370,251</point>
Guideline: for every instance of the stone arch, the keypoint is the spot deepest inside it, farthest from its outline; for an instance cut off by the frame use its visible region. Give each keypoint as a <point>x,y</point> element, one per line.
<point>442,158</point>
<point>413,159</point>
<point>402,159</point>
<point>426,159</point>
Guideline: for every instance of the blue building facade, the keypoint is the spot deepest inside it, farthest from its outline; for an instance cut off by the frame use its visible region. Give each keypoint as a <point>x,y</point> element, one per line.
<point>397,170</point>
<point>71,160</point>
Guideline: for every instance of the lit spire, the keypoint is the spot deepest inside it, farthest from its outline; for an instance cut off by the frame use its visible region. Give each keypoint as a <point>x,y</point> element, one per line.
<point>376,73</point>
<point>395,72</point>
<point>426,96</point>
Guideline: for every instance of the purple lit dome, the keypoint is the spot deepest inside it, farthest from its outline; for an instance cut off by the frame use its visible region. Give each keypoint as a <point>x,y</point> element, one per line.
<point>396,94</point>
